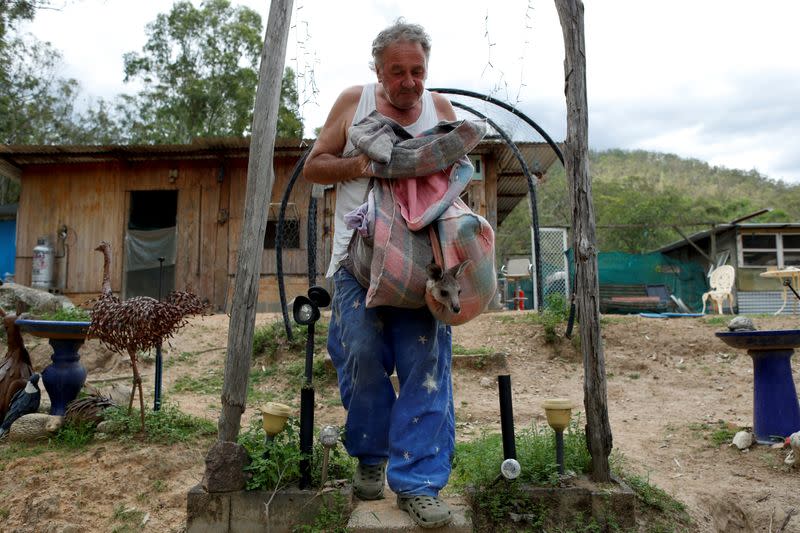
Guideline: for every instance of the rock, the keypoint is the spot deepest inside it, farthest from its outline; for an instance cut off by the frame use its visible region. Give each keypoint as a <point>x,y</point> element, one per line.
<point>20,297</point>
<point>44,507</point>
<point>741,323</point>
<point>225,464</point>
<point>743,440</point>
<point>794,454</point>
<point>486,382</point>
<point>34,426</point>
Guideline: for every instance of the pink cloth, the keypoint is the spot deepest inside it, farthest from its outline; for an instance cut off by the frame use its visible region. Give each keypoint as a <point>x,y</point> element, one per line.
<point>416,195</point>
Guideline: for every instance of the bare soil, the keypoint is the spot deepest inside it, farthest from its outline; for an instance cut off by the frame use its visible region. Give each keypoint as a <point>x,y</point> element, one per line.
<point>671,383</point>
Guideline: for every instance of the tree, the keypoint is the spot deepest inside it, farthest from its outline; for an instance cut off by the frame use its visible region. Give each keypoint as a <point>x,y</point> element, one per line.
<point>13,11</point>
<point>199,70</point>
<point>38,105</point>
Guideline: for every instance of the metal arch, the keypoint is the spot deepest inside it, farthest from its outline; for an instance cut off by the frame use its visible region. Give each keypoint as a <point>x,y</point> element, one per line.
<point>279,242</point>
<point>312,202</point>
<point>499,103</point>
<point>531,191</point>
<point>546,137</point>
<point>311,240</point>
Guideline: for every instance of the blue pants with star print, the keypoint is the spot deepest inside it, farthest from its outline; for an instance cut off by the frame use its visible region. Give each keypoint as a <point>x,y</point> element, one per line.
<point>414,430</point>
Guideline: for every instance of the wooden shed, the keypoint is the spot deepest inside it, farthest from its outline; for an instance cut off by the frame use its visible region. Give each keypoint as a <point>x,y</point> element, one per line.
<point>185,204</point>
<point>752,249</point>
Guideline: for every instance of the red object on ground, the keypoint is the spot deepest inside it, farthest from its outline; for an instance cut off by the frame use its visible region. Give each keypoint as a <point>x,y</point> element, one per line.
<point>520,300</point>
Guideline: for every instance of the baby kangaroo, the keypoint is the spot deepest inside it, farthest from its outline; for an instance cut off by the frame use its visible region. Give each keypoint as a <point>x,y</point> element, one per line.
<point>443,285</point>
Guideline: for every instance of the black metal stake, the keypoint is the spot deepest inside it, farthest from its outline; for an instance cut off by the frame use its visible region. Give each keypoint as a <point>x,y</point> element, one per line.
<point>560,450</point>
<point>159,361</point>
<point>506,417</point>
<point>307,414</point>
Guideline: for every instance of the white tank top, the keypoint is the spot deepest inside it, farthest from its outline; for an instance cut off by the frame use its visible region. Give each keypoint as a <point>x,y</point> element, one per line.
<point>352,193</point>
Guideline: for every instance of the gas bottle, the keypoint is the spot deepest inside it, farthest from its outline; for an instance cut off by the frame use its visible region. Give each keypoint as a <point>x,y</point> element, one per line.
<point>43,259</point>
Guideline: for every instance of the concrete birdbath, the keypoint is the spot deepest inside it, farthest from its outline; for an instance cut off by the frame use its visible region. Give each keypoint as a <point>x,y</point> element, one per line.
<point>776,412</point>
<point>65,376</point>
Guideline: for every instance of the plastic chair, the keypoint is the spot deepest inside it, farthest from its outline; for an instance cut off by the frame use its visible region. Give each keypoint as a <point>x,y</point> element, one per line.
<point>721,282</point>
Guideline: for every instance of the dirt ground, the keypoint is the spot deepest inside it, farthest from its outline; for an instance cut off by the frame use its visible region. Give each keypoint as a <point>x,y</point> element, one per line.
<point>670,384</point>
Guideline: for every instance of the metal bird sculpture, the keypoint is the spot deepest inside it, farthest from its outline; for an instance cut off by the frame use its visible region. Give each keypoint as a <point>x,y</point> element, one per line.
<point>15,368</point>
<point>24,402</point>
<point>137,324</point>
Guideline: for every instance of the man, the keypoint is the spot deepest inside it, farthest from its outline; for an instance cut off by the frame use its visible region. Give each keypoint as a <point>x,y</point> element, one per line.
<point>414,433</point>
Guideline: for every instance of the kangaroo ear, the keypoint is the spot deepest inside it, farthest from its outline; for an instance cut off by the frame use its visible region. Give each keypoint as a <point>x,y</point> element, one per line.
<point>459,268</point>
<point>434,271</point>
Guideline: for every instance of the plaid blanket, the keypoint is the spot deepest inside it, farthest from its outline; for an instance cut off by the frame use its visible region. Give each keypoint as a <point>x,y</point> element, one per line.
<point>401,247</point>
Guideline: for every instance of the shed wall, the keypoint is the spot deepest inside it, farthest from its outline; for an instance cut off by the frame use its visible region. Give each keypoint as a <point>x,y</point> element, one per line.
<point>92,201</point>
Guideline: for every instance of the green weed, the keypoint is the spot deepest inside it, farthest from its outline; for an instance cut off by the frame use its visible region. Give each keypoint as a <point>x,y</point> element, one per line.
<point>168,425</point>
<point>718,320</point>
<point>208,384</point>
<point>74,435</point>
<point>270,339</point>
<point>322,373</point>
<point>131,519</point>
<point>66,314</point>
<point>654,497</point>
<point>477,463</point>
<point>481,350</point>
<point>276,464</point>
<point>331,517</point>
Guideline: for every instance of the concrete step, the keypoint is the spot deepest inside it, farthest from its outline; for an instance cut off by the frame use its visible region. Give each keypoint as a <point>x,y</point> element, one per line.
<point>383,516</point>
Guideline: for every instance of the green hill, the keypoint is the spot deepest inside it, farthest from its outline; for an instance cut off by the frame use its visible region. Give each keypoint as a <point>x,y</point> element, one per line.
<point>639,196</point>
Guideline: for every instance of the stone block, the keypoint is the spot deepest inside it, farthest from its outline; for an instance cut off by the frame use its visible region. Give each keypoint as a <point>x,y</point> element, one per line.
<point>207,512</point>
<point>607,503</point>
<point>225,464</point>
<point>246,511</point>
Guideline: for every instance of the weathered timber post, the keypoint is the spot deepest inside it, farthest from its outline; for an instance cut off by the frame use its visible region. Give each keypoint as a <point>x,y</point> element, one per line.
<point>598,429</point>
<point>260,177</point>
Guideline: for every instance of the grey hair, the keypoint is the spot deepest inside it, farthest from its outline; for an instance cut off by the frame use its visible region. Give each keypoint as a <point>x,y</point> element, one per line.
<point>399,31</point>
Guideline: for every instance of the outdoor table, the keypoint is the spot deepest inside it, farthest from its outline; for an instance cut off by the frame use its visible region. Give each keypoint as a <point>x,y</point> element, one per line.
<point>792,274</point>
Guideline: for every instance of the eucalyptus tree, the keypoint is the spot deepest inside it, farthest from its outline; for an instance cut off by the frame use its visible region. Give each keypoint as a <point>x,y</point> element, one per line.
<point>198,73</point>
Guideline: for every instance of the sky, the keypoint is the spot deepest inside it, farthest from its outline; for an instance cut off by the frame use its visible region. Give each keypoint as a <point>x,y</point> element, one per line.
<point>714,80</point>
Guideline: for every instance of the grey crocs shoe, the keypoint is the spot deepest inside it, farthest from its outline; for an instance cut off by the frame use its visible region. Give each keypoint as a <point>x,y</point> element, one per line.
<point>369,481</point>
<point>426,511</point>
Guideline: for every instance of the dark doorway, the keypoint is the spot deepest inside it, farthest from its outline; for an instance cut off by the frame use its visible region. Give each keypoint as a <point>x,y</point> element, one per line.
<point>151,234</point>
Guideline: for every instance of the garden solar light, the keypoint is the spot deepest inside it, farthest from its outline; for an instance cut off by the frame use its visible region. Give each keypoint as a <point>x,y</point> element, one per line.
<point>306,312</point>
<point>273,418</point>
<point>510,469</point>
<point>328,437</point>
<point>306,309</point>
<point>558,411</point>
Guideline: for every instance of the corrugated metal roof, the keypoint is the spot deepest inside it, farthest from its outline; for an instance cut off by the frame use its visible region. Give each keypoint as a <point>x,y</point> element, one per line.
<point>22,155</point>
<point>511,188</point>
<point>721,228</point>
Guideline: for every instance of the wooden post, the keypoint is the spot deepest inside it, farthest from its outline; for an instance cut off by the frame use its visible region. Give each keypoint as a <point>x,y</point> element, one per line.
<point>260,177</point>
<point>598,429</point>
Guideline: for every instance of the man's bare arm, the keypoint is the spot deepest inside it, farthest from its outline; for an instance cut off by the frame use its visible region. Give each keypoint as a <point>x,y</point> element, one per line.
<point>444,109</point>
<point>325,164</point>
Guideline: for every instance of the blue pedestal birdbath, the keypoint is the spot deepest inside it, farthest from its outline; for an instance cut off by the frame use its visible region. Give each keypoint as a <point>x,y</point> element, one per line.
<point>65,376</point>
<point>776,412</point>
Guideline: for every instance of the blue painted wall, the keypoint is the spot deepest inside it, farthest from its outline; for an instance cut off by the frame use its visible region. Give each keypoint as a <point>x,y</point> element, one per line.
<point>8,246</point>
